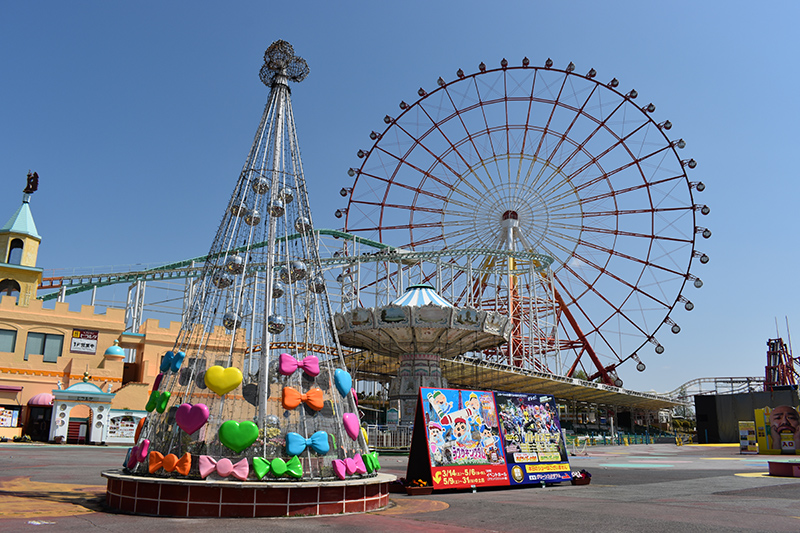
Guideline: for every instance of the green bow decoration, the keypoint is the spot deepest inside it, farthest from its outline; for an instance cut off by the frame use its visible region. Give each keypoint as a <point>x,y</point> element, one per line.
<point>277,467</point>
<point>371,461</point>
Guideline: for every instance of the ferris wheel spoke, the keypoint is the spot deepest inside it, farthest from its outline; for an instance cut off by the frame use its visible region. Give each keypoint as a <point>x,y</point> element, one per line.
<point>469,135</point>
<point>634,188</point>
<point>610,173</point>
<point>437,125</point>
<point>595,160</point>
<point>483,114</point>
<point>565,135</point>
<point>619,279</point>
<point>412,226</point>
<point>529,109</point>
<point>623,212</point>
<point>646,236</point>
<point>453,240</point>
<point>574,304</point>
<point>617,310</point>
<point>401,207</point>
<point>601,125</point>
<point>414,189</point>
<point>404,162</point>
<point>550,117</point>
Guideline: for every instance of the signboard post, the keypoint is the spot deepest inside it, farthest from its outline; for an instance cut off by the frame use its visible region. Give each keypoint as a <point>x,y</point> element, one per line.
<point>747,437</point>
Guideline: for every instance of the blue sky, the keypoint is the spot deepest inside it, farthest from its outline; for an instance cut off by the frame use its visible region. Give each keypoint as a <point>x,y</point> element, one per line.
<point>138,117</point>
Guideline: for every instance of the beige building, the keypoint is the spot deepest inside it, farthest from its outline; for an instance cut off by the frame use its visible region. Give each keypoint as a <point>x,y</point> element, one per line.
<point>75,355</point>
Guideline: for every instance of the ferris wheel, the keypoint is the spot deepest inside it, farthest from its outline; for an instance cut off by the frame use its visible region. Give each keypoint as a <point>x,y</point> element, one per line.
<point>543,159</point>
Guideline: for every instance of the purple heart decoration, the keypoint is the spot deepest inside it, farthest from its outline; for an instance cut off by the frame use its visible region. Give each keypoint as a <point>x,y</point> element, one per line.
<point>351,425</point>
<point>190,417</point>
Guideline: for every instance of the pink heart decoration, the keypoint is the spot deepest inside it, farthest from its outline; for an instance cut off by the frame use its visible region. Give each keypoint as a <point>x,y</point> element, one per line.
<point>138,453</point>
<point>190,417</point>
<point>351,425</point>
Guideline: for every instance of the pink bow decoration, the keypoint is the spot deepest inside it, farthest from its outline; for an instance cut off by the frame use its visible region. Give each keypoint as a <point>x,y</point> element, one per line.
<point>348,467</point>
<point>289,364</point>
<point>223,467</point>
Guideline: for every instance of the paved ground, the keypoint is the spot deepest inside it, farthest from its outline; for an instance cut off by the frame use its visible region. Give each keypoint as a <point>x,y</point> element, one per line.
<point>636,488</point>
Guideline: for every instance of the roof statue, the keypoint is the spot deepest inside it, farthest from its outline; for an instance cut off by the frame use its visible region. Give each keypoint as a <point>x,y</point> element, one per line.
<point>33,183</point>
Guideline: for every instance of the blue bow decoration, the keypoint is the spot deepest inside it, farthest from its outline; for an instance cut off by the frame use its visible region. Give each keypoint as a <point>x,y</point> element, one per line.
<point>172,361</point>
<point>296,443</point>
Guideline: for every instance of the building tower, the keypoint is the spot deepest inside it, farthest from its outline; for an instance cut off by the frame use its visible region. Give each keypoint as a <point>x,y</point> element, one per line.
<point>19,243</point>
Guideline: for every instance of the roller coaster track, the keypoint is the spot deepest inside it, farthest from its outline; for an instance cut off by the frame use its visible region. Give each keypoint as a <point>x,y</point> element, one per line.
<point>719,385</point>
<point>192,268</point>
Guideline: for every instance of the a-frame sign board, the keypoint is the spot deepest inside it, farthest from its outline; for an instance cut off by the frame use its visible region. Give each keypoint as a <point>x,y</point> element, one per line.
<point>419,464</point>
<point>469,438</point>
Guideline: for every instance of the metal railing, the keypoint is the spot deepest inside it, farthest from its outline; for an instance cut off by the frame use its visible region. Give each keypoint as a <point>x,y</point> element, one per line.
<point>389,439</point>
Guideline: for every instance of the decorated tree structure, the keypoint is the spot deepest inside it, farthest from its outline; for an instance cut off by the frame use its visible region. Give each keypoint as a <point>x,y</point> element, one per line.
<point>255,386</point>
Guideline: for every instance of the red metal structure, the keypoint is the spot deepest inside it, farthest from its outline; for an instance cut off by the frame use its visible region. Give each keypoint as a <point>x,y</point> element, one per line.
<point>780,369</point>
<point>546,160</point>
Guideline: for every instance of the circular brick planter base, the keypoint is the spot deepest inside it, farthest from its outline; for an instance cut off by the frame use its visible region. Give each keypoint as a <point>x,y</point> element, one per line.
<point>230,499</point>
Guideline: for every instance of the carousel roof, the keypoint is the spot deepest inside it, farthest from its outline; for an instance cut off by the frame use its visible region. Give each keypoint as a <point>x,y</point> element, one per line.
<point>419,295</point>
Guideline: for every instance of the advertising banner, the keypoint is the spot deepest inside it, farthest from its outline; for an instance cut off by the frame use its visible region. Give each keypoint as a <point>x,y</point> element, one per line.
<point>778,430</point>
<point>534,447</point>
<point>84,341</point>
<point>747,437</point>
<point>8,417</point>
<point>463,438</point>
<point>470,438</point>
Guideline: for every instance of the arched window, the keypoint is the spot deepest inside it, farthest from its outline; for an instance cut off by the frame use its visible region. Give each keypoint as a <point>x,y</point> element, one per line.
<point>9,287</point>
<point>15,252</point>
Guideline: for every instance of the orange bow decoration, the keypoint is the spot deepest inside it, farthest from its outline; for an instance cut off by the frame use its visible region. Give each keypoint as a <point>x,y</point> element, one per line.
<point>292,398</point>
<point>170,463</point>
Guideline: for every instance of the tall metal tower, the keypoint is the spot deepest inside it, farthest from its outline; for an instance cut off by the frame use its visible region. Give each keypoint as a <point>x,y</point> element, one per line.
<point>260,319</point>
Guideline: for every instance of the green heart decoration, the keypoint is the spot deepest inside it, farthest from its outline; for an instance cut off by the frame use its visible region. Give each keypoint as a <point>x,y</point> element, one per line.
<point>238,436</point>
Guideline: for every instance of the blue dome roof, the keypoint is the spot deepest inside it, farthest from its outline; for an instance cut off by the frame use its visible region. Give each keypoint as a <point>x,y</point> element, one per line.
<point>115,350</point>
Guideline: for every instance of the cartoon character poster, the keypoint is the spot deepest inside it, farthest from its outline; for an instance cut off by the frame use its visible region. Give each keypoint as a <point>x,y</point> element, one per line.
<point>463,438</point>
<point>778,430</point>
<point>534,447</point>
